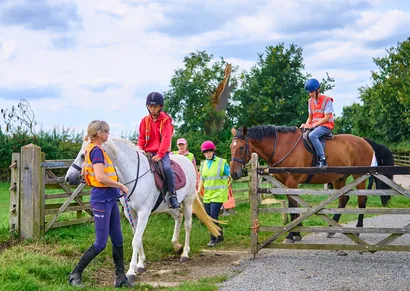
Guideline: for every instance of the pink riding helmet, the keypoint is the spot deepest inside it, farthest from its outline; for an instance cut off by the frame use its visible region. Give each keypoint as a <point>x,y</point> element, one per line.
<point>208,145</point>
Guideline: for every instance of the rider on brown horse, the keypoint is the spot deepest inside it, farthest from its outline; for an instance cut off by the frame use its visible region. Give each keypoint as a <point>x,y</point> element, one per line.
<point>320,118</point>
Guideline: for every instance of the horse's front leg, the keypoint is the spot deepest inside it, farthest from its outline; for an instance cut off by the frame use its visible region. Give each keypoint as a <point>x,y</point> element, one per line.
<point>138,256</point>
<point>177,215</point>
<point>293,236</point>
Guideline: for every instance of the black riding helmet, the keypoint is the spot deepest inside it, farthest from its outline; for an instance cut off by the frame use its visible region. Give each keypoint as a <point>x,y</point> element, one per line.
<point>155,98</point>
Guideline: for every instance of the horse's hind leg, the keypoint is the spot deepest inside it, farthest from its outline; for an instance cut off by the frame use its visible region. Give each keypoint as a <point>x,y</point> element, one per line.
<point>177,215</point>
<point>362,200</point>
<point>342,202</point>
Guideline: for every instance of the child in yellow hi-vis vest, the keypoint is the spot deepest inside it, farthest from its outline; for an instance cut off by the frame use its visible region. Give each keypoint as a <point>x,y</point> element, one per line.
<point>214,173</point>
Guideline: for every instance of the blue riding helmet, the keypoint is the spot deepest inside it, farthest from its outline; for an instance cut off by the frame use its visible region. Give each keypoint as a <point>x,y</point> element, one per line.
<point>155,98</point>
<point>312,85</point>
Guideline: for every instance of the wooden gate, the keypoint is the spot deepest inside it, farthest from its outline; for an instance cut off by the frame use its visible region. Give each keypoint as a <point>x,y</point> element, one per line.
<point>34,207</point>
<point>323,209</point>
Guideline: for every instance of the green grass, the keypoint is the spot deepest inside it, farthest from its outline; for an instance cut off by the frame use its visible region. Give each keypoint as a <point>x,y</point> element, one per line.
<point>44,264</point>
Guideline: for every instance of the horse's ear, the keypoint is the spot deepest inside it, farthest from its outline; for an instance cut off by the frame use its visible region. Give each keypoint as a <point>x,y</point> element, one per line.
<point>244,131</point>
<point>233,131</point>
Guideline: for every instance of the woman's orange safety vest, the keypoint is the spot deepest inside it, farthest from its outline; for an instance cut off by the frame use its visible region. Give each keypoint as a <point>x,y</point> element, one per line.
<point>318,110</point>
<point>89,174</point>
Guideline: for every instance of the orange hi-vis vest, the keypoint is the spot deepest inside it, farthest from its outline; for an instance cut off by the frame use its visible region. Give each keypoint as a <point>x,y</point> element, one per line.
<point>89,174</point>
<point>148,129</point>
<point>318,110</point>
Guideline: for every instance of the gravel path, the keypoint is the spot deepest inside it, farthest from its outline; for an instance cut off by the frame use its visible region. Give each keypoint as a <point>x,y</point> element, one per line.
<point>328,270</point>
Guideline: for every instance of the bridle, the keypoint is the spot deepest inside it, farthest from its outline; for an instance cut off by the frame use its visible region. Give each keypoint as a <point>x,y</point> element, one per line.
<point>246,152</point>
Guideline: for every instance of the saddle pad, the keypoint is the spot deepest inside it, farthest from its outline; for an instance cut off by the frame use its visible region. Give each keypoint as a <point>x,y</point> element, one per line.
<point>180,179</point>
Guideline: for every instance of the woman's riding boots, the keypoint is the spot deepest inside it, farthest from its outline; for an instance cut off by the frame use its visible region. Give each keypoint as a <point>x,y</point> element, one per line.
<point>75,276</point>
<point>120,279</point>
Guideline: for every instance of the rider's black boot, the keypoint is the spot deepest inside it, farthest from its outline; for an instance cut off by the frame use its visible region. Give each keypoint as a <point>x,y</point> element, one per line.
<point>173,200</point>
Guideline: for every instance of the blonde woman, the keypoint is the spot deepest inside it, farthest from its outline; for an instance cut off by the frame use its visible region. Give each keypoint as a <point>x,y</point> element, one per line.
<point>99,173</point>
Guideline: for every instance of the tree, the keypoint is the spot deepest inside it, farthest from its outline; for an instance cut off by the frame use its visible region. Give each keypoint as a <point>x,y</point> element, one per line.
<point>20,118</point>
<point>386,102</point>
<point>198,99</point>
<point>272,92</point>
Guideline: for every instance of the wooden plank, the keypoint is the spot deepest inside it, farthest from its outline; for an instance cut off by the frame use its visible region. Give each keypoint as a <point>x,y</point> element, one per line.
<point>320,229</point>
<point>389,170</point>
<point>353,192</point>
<point>66,163</point>
<point>65,195</point>
<point>42,193</point>
<point>253,187</point>
<point>330,221</point>
<point>72,207</point>
<point>377,211</point>
<point>315,209</point>
<point>15,188</point>
<point>30,191</point>
<point>72,222</point>
<point>64,206</point>
<point>340,247</point>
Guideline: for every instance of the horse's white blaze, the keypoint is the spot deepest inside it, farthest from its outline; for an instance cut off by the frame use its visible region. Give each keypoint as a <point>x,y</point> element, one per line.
<point>124,156</point>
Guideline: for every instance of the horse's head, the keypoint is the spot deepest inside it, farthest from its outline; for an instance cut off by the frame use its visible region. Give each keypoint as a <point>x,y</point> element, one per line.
<point>240,153</point>
<point>73,175</point>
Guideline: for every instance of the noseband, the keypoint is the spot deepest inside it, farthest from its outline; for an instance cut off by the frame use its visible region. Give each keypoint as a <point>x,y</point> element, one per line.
<point>246,152</point>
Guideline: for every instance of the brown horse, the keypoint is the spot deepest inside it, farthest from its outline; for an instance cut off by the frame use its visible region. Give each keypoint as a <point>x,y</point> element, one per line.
<point>282,146</point>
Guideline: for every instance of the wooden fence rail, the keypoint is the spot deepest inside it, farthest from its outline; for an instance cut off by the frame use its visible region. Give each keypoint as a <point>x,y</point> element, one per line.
<point>32,211</point>
<point>322,209</point>
<point>402,159</point>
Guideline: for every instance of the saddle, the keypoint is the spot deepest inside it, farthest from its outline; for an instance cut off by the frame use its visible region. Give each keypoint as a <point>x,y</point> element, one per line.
<point>309,147</point>
<point>159,176</point>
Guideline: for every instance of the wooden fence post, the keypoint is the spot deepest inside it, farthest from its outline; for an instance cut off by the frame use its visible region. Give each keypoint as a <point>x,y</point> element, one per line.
<point>30,195</point>
<point>253,188</point>
<point>14,218</point>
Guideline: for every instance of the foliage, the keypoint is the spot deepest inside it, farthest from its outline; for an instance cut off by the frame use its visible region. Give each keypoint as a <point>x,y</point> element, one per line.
<point>20,118</point>
<point>272,92</point>
<point>59,143</point>
<point>188,102</point>
<point>384,113</point>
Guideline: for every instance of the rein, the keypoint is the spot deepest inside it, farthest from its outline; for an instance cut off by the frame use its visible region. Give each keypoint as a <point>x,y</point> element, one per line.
<point>274,149</point>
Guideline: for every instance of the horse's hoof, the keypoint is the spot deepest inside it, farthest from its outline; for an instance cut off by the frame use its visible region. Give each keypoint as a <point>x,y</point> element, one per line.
<point>131,278</point>
<point>179,250</point>
<point>330,234</point>
<point>184,259</point>
<point>288,241</point>
<point>140,270</point>
<point>297,238</point>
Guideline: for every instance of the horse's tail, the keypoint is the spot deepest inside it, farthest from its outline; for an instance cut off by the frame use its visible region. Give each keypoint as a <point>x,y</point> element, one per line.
<point>384,157</point>
<point>210,223</point>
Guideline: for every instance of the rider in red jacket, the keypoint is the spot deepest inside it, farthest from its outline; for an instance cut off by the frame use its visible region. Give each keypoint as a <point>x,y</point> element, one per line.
<point>155,136</point>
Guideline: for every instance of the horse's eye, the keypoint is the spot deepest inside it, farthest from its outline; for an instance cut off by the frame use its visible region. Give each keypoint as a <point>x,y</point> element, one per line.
<point>82,156</point>
<point>241,149</point>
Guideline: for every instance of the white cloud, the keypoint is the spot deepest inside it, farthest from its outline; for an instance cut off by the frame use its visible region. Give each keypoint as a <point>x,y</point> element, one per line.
<point>115,55</point>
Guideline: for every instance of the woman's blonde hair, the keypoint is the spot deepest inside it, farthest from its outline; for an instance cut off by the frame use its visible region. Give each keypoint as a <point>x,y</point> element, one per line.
<point>95,127</point>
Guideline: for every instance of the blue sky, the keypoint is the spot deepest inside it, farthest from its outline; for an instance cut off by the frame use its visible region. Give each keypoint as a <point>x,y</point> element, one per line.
<point>76,61</point>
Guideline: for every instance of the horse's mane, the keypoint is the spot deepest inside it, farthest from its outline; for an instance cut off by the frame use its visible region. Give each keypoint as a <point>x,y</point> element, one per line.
<point>261,131</point>
<point>117,145</point>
